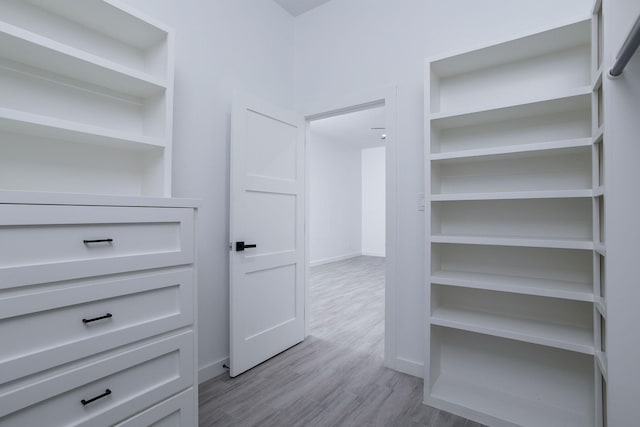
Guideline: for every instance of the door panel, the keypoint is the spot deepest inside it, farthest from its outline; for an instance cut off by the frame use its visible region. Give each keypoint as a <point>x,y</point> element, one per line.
<point>266,209</point>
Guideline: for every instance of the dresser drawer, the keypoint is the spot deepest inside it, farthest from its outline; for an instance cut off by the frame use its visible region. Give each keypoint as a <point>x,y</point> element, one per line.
<point>178,411</point>
<point>41,244</point>
<point>49,326</point>
<point>106,391</point>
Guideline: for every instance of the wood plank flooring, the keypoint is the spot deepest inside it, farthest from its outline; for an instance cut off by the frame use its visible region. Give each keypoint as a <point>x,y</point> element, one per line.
<point>336,376</point>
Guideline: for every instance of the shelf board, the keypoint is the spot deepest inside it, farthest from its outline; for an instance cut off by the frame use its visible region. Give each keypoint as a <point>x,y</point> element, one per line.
<point>113,18</point>
<point>562,289</point>
<point>51,198</point>
<point>495,406</point>
<point>601,306</point>
<point>599,134</point>
<point>597,79</point>
<point>46,127</point>
<point>543,41</point>
<point>513,195</point>
<point>42,53</point>
<point>533,242</point>
<point>601,359</point>
<point>600,248</point>
<point>598,191</point>
<point>512,149</point>
<point>567,337</point>
<point>570,99</point>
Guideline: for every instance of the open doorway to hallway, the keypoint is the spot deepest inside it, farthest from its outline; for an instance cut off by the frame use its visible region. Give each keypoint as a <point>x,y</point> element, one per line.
<point>346,289</point>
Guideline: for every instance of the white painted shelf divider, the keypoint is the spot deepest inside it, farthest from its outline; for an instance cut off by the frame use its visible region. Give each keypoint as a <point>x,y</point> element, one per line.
<point>514,195</point>
<point>47,127</point>
<point>529,106</point>
<point>512,149</point>
<point>514,241</point>
<point>36,51</point>
<point>550,334</point>
<point>564,289</point>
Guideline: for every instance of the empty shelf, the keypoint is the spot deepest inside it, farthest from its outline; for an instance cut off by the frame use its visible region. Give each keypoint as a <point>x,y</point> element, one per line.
<point>522,285</point>
<point>567,337</point>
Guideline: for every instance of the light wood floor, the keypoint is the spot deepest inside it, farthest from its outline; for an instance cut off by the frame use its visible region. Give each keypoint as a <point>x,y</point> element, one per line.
<point>336,376</point>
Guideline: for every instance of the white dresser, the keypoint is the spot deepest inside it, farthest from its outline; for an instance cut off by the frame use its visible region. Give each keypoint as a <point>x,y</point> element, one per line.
<point>97,311</point>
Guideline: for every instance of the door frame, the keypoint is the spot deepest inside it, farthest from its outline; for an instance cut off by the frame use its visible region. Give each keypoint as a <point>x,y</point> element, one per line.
<point>386,97</point>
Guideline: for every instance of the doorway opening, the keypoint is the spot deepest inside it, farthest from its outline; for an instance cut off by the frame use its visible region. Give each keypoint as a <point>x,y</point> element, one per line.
<point>347,229</point>
<point>351,225</point>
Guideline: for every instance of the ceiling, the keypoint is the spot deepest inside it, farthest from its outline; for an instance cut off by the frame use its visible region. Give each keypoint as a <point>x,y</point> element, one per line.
<point>298,7</point>
<point>353,128</point>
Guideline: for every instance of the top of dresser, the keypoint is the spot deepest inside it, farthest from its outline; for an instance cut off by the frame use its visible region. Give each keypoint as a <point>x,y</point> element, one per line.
<point>41,198</point>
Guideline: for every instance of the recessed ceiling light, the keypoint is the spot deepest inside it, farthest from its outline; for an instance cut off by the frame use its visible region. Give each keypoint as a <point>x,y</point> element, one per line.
<point>384,136</point>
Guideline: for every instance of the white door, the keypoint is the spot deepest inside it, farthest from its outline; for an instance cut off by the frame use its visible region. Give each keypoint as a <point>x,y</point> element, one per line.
<point>266,210</point>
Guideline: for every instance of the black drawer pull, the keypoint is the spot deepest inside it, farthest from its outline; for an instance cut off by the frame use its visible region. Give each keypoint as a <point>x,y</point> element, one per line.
<point>106,316</point>
<point>107,392</point>
<point>88,242</point>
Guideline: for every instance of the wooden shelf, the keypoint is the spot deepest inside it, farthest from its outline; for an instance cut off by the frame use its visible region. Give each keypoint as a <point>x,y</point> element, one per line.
<point>512,149</point>
<point>601,306</point>
<point>39,52</point>
<point>513,195</point>
<point>597,79</point>
<point>598,191</point>
<point>597,137</point>
<point>514,241</point>
<point>46,127</point>
<point>601,360</point>
<point>88,105</point>
<point>494,406</point>
<point>521,285</point>
<point>572,99</point>
<point>566,337</point>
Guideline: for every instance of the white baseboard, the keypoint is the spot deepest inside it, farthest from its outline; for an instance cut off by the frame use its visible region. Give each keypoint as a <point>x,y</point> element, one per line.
<point>409,367</point>
<point>378,254</point>
<point>212,370</point>
<point>333,259</point>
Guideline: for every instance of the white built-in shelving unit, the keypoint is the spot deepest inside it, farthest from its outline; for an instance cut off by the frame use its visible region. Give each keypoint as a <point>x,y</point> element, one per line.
<point>87,99</point>
<point>97,263</point>
<point>515,245</point>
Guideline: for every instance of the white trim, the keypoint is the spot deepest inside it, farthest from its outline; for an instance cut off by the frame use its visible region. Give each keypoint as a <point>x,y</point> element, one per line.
<point>41,198</point>
<point>409,367</point>
<point>376,254</point>
<point>212,370</point>
<point>333,259</point>
<point>387,97</point>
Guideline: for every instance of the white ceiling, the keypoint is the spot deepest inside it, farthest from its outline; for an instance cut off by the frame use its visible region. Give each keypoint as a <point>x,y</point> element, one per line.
<point>353,128</point>
<point>298,7</point>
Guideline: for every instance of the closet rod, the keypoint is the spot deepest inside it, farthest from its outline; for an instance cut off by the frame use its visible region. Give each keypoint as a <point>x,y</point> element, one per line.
<point>627,50</point>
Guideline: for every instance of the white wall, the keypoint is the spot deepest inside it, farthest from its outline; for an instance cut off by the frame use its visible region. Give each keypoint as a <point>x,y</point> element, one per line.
<point>352,46</point>
<point>335,207</point>
<point>344,46</point>
<point>622,207</point>
<point>373,201</point>
<point>220,45</point>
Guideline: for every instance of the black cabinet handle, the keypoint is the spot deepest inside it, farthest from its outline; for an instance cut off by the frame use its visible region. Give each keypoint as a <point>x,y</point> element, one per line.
<point>241,246</point>
<point>88,242</point>
<point>107,392</point>
<point>106,316</point>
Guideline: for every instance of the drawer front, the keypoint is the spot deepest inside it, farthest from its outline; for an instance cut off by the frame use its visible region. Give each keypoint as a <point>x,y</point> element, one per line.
<point>178,411</point>
<point>105,391</point>
<point>46,327</point>
<point>41,244</point>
